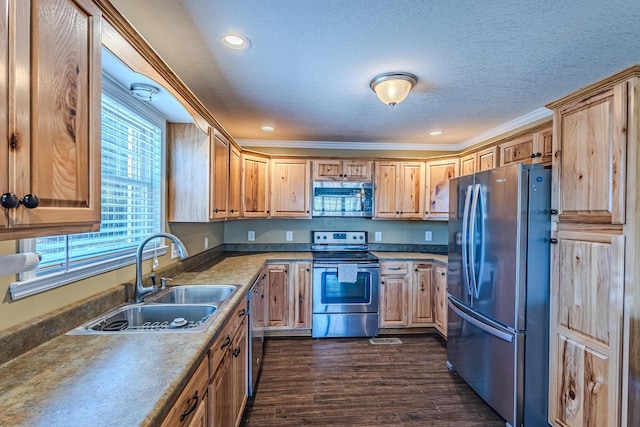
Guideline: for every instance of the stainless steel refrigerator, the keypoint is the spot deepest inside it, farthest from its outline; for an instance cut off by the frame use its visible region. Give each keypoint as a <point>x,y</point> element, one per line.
<point>498,288</point>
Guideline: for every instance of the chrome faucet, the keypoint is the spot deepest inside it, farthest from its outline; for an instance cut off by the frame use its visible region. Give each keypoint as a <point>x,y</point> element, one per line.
<point>141,290</point>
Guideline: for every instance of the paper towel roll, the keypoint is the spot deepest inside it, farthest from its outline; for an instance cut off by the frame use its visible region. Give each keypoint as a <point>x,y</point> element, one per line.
<point>17,263</point>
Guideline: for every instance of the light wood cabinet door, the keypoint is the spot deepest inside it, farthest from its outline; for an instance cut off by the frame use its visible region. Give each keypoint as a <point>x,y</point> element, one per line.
<point>255,185</point>
<point>221,402</point>
<point>239,364</point>
<point>188,171</point>
<point>290,188</point>
<point>327,170</point>
<point>422,295</point>
<point>394,295</point>
<point>518,150</point>
<point>258,303</point>
<point>235,181</point>
<point>487,159</point>
<point>543,147</point>
<point>302,295</point>
<point>277,294</point>
<point>219,194</point>
<point>468,164</point>
<point>342,170</point>
<point>589,163</point>
<point>4,109</point>
<point>386,185</point>
<point>587,285</point>
<point>440,299</point>
<point>357,170</point>
<point>54,114</point>
<point>439,173</point>
<point>412,189</point>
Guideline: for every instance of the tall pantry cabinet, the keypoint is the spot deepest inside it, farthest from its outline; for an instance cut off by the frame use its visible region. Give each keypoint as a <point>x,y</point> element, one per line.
<point>595,281</point>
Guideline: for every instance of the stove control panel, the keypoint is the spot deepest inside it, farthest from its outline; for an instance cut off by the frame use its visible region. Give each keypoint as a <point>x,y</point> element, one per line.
<point>339,237</point>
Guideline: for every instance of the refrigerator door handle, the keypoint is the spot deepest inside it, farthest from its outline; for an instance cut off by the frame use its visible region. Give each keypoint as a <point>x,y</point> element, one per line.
<point>465,239</point>
<point>472,243</point>
<point>479,324</point>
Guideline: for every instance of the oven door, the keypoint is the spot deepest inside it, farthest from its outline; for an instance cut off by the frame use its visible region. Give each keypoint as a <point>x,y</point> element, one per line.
<point>332,296</point>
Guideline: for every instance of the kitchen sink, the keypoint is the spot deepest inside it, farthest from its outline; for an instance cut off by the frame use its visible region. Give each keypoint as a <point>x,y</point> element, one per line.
<point>144,318</point>
<point>192,294</point>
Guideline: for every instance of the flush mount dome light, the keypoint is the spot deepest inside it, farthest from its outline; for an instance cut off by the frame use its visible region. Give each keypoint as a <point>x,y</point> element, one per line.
<point>144,91</point>
<point>236,41</point>
<point>393,88</point>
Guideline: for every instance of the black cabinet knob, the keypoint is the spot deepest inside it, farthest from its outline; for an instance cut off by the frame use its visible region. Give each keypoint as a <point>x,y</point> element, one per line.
<point>30,201</point>
<point>553,240</point>
<point>215,210</point>
<point>532,155</point>
<point>9,201</point>
<point>553,211</point>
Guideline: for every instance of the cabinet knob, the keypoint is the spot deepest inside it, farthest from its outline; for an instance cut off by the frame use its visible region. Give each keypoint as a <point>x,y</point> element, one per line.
<point>553,211</point>
<point>30,201</point>
<point>538,154</point>
<point>232,210</point>
<point>9,201</point>
<point>553,241</point>
<point>215,210</point>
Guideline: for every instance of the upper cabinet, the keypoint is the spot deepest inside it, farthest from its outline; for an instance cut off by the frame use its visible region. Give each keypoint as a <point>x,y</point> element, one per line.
<point>399,190</point>
<point>219,195</point>
<point>255,186</point>
<point>290,188</point>
<point>51,117</point>
<point>342,170</point>
<point>479,161</point>
<point>235,181</point>
<point>438,175</point>
<point>534,147</point>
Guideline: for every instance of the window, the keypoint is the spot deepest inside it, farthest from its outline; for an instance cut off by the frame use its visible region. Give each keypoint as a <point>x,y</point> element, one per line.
<point>131,197</point>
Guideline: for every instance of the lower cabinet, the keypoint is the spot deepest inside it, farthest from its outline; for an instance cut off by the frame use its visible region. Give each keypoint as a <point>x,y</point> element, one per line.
<point>228,362</point>
<point>440,305</point>
<point>287,296</point>
<point>191,407</point>
<point>413,295</point>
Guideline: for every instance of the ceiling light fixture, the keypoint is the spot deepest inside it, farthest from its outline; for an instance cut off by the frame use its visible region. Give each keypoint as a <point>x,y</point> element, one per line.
<point>435,133</point>
<point>393,88</point>
<point>144,91</point>
<point>268,128</point>
<point>236,41</point>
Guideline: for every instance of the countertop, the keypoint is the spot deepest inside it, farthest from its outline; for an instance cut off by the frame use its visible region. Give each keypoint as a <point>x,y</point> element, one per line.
<point>126,379</point>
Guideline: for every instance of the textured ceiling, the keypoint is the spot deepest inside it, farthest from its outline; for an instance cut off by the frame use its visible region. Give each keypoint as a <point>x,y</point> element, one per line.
<point>480,64</point>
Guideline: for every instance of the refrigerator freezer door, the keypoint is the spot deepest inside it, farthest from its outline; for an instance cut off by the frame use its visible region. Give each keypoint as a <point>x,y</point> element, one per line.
<point>489,358</point>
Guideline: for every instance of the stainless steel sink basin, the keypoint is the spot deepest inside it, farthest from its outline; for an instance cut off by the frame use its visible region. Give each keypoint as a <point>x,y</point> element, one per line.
<point>143,318</point>
<point>192,294</point>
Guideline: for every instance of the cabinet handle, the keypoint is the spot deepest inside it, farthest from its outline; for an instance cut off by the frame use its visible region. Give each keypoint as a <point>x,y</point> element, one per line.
<point>382,282</point>
<point>215,210</point>
<point>30,201</point>
<point>426,212</point>
<point>236,352</point>
<point>307,211</point>
<point>553,211</point>
<point>416,270</point>
<point>268,212</point>
<point>242,312</point>
<point>397,212</point>
<point>395,268</point>
<point>553,241</point>
<point>442,273</point>
<point>193,407</point>
<point>227,341</point>
<point>538,154</point>
<point>9,201</point>
<point>232,210</point>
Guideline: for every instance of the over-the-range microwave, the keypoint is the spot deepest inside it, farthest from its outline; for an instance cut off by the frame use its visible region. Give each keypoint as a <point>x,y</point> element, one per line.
<point>343,199</point>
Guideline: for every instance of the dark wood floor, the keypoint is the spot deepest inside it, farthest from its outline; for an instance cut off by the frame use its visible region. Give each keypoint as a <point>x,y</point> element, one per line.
<point>351,382</point>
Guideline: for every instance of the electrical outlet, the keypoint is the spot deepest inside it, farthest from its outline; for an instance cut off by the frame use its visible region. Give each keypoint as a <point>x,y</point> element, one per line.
<point>428,236</point>
<point>289,236</point>
<point>206,243</point>
<point>378,236</point>
<point>251,236</point>
<point>174,251</point>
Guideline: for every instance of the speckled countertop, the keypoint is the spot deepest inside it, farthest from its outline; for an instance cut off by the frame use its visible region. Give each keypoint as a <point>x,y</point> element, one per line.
<point>409,256</point>
<point>125,379</point>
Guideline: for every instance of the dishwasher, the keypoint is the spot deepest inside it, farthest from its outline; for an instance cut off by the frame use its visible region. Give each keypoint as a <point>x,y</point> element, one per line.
<point>255,298</point>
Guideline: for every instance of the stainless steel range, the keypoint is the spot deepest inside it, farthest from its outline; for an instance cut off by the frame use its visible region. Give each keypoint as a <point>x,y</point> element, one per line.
<point>345,285</point>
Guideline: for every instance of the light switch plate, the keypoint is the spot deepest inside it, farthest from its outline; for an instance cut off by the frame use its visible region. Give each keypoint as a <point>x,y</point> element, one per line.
<point>378,236</point>
<point>289,236</point>
<point>428,236</point>
<point>251,236</point>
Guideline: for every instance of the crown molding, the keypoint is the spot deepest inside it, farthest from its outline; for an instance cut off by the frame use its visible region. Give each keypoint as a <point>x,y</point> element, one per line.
<point>516,124</point>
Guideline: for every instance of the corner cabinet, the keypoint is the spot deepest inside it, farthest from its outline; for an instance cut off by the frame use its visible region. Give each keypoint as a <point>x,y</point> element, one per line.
<point>594,371</point>
<point>290,188</point>
<point>438,175</point>
<point>51,117</point>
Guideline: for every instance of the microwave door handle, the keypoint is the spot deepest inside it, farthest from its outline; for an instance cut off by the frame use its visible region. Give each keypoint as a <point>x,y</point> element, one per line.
<point>465,240</point>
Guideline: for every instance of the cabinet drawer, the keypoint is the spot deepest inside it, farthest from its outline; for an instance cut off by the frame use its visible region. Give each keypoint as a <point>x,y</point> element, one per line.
<point>192,396</point>
<point>393,268</point>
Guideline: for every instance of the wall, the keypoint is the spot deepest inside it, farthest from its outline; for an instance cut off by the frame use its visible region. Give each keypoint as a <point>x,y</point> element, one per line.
<point>273,230</point>
<point>29,308</point>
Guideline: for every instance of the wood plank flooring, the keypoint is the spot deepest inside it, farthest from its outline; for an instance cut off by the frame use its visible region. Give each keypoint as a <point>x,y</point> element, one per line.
<point>351,382</point>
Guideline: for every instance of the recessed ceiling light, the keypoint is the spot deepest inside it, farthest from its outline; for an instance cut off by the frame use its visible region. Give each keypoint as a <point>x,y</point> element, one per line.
<point>236,41</point>
<point>268,128</point>
<point>435,133</point>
